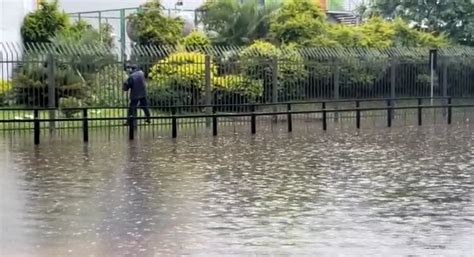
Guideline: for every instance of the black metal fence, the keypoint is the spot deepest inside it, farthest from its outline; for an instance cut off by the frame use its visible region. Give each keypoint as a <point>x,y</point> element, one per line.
<point>65,78</point>
<point>214,118</point>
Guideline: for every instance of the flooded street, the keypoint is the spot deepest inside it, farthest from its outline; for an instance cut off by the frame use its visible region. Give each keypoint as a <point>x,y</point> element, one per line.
<point>384,192</point>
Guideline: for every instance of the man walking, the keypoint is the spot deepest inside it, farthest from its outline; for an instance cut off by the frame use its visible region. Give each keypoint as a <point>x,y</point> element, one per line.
<point>137,86</point>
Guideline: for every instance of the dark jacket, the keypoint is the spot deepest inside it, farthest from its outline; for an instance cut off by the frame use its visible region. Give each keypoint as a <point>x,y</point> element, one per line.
<point>137,85</point>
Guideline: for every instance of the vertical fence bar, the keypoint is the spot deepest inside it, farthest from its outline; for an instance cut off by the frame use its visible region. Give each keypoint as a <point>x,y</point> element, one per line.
<point>393,86</point>
<point>174,124</point>
<point>336,90</point>
<point>122,35</point>
<point>85,126</point>
<point>208,91</point>
<point>325,124</point>
<point>420,112</point>
<point>131,126</point>
<point>275,88</point>
<point>253,121</point>
<point>450,111</point>
<point>358,114</point>
<point>214,121</point>
<point>389,113</point>
<point>445,86</point>
<point>290,120</point>
<point>393,78</point>
<point>51,92</point>
<point>36,125</point>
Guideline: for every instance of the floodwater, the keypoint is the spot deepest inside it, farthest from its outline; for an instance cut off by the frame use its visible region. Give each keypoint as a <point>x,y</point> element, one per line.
<point>385,192</point>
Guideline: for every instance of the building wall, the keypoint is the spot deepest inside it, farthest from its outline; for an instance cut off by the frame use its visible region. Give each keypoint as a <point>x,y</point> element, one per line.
<point>12,13</point>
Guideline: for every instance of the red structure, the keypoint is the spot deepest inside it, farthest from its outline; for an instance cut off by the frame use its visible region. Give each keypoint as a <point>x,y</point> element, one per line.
<point>323,4</point>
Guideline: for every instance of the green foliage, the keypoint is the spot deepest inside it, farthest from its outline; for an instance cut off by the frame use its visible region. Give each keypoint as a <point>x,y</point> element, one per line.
<point>196,40</point>
<point>44,23</point>
<point>70,102</point>
<point>81,52</point>
<point>259,60</point>
<point>82,33</point>
<point>150,25</point>
<point>107,87</point>
<point>378,33</point>
<point>237,22</point>
<point>5,91</point>
<point>31,82</point>
<point>185,68</point>
<point>298,21</point>
<point>454,18</point>
<point>179,79</point>
<point>239,85</point>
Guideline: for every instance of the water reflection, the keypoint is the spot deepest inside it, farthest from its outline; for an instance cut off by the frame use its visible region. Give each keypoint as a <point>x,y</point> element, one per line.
<point>393,192</point>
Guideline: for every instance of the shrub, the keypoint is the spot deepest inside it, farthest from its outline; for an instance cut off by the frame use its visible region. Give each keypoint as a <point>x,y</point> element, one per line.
<point>298,21</point>
<point>107,87</point>
<point>196,40</point>
<point>31,83</point>
<point>235,89</point>
<point>258,61</point>
<point>151,26</point>
<point>5,91</point>
<point>179,79</point>
<point>70,102</point>
<point>238,84</point>
<point>44,23</point>
<point>185,68</point>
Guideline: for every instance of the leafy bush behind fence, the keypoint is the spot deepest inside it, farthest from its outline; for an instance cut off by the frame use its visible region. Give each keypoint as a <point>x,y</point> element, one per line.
<point>93,75</point>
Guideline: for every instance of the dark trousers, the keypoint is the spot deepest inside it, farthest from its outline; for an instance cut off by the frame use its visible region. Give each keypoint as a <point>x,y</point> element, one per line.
<point>132,110</point>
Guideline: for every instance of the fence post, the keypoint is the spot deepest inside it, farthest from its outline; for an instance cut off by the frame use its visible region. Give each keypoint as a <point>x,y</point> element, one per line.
<point>450,111</point>
<point>275,88</point>
<point>253,121</point>
<point>358,114</point>
<point>445,86</point>
<point>51,92</point>
<point>174,124</point>
<point>208,90</point>
<point>389,113</point>
<point>36,125</point>
<point>393,84</point>
<point>131,126</point>
<point>420,113</point>
<point>325,124</point>
<point>290,119</point>
<point>85,125</point>
<point>122,35</point>
<point>337,74</point>
<point>214,121</point>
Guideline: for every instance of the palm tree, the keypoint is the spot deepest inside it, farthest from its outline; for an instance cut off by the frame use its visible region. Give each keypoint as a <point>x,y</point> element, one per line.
<point>236,22</point>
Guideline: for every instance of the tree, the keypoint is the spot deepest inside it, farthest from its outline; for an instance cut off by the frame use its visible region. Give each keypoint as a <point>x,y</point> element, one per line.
<point>298,21</point>
<point>44,23</point>
<point>454,18</point>
<point>196,40</point>
<point>151,26</point>
<point>79,52</point>
<point>236,22</point>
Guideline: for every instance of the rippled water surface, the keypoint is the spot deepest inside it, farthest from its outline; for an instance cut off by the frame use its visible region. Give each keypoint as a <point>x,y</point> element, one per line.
<point>385,192</point>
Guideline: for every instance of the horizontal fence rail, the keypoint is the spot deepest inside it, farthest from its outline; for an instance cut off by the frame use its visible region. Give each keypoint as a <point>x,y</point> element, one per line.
<point>175,118</point>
